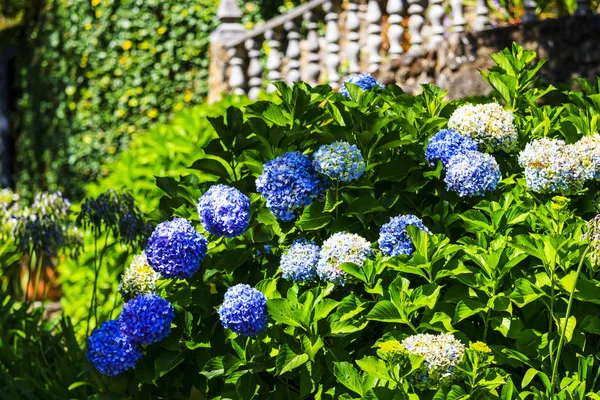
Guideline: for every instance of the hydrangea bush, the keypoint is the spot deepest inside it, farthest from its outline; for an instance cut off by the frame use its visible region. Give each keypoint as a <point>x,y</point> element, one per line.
<point>403,278</point>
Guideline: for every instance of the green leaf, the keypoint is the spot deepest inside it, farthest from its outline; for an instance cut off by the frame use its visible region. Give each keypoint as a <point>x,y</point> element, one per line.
<point>354,270</point>
<point>168,360</point>
<point>75,385</point>
<point>385,311</point>
<point>211,166</point>
<point>287,360</point>
<point>280,310</point>
<point>313,218</point>
<point>348,376</point>
<point>567,328</point>
<point>364,205</point>
<point>274,114</point>
<point>466,308</point>
<point>374,367</point>
<point>323,308</point>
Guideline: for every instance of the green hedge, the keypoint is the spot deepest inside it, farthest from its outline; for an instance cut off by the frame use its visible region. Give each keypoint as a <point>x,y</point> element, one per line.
<point>93,72</point>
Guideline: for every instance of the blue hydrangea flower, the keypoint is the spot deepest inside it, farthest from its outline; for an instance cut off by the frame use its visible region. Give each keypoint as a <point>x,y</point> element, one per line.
<point>244,310</point>
<point>290,183</point>
<point>299,263</point>
<point>224,211</point>
<point>175,249</point>
<point>393,238</point>
<point>447,143</point>
<point>472,174</point>
<point>340,248</point>
<point>340,161</point>
<point>147,318</point>
<point>110,351</point>
<point>364,81</point>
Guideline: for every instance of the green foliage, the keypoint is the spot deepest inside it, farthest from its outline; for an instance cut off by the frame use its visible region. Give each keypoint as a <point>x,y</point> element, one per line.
<point>509,269</point>
<point>92,73</point>
<point>40,358</point>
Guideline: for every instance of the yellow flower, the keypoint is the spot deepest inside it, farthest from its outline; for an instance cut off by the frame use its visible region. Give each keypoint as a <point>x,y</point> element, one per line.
<point>178,106</point>
<point>123,60</point>
<point>161,30</point>
<point>144,45</point>
<point>98,13</point>
<point>153,113</point>
<point>112,150</point>
<point>133,103</point>
<point>126,45</point>
<point>392,348</point>
<point>120,113</point>
<point>88,26</point>
<point>72,106</point>
<point>480,347</point>
<point>184,13</point>
<point>188,96</point>
<point>95,2</point>
<point>70,90</point>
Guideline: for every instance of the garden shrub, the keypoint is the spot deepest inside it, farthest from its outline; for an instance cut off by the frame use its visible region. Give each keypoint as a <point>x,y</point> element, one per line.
<point>375,275</point>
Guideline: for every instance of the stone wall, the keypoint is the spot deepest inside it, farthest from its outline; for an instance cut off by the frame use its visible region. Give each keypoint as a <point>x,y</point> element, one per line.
<point>571,44</point>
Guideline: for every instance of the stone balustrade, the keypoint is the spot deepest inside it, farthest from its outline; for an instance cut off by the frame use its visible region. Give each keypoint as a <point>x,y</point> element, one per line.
<point>321,41</point>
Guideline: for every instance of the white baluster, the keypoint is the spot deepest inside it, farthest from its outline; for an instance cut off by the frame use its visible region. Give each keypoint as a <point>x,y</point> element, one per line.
<point>416,9</point>
<point>482,21</point>
<point>374,30</point>
<point>353,36</point>
<point>436,13</point>
<point>273,37</point>
<point>255,68</point>
<point>313,69</point>
<point>530,14</point>
<point>292,52</point>
<point>237,78</point>
<point>332,37</point>
<point>458,17</point>
<point>395,31</point>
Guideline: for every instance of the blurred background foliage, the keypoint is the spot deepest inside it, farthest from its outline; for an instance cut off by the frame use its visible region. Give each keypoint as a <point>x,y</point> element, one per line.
<point>90,74</point>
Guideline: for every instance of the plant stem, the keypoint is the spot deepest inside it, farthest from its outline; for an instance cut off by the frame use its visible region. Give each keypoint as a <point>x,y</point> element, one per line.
<point>30,262</point>
<point>564,329</point>
<point>87,331</point>
<point>98,273</point>
<point>38,266</point>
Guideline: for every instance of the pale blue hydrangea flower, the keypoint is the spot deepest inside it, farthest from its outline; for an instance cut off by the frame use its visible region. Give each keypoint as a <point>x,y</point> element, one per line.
<point>299,262</point>
<point>364,81</point>
<point>244,310</point>
<point>442,353</point>
<point>341,248</point>
<point>147,318</point>
<point>489,125</point>
<point>289,183</point>
<point>175,249</point>
<point>587,150</point>
<point>552,166</point>
<point>224,211</point>
<point>339,161</point>
<point>447,143</point>
<point>393,238</point>
<point>110,351</point>
<point>472,174</point>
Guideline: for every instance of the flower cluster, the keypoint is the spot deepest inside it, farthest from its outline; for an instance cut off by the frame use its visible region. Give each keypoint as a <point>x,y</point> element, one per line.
<point>442,353</point>
<point>392,351</point>
<point>289,183</point>
<point>339,161</point>
<point>472,174</point>
<point>44,226</point>
<point>364,81</point>
<point>244,310</point>
<point>111,351</point>
<point>299,262</point>
<point>552,166</point>
<point>139,278</point>
<point>480,347</point>
<point>147,318</point>
<point>175,249</point>
<point>393,238</point>
<point>489,125</point>
<point>341,248</point>
<point>115,210</point>
<point>446,144</point>
<point>224,211</point>
<point>9,211</point>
